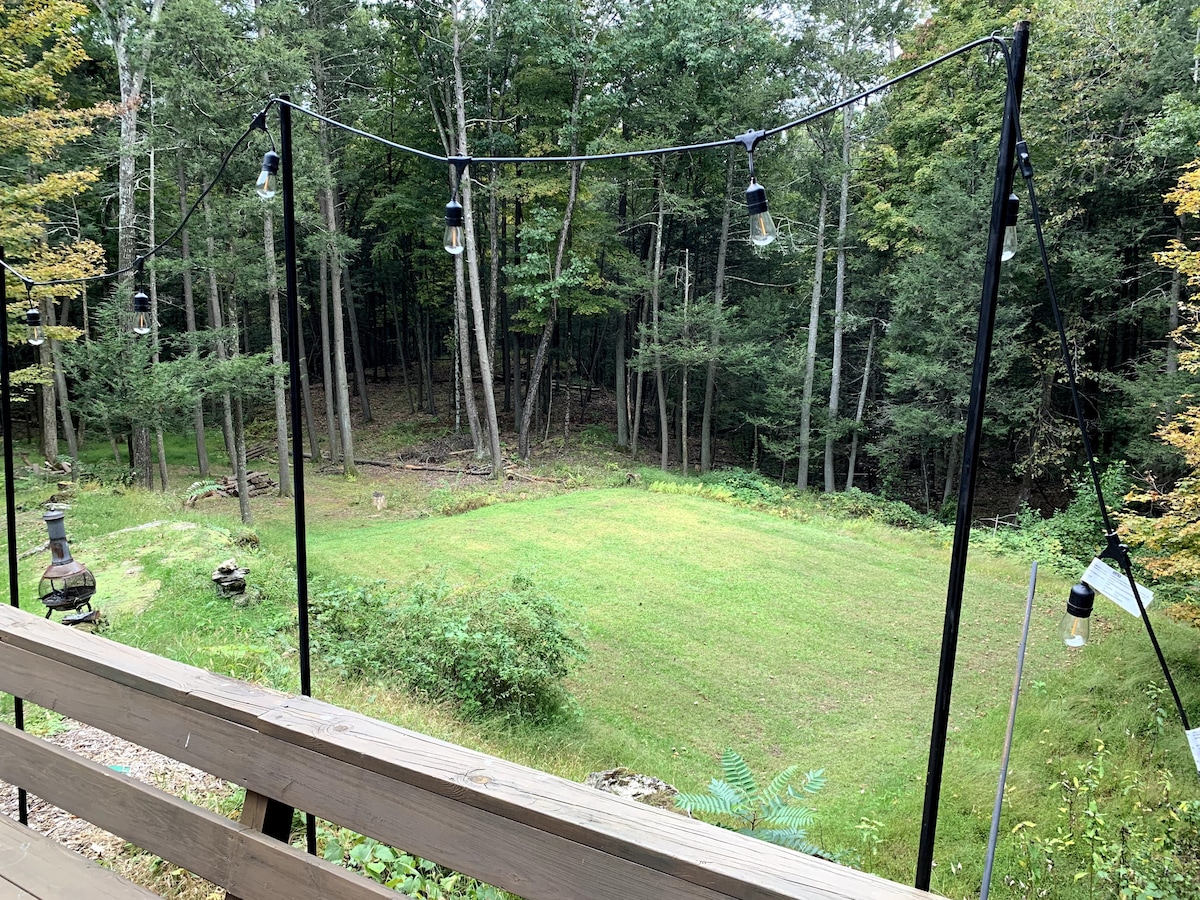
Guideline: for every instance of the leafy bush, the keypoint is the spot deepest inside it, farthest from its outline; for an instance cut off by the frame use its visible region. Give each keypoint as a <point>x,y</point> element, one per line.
<point>488,648</point>
<point>770,813</point>
<point>749,487</point>
<point>858,504</point>
<point>419,878</point>
<point>1133,839</point>
<point>1067,540</point>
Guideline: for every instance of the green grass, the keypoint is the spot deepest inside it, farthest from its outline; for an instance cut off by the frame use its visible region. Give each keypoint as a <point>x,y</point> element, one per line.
<point>808,640</point>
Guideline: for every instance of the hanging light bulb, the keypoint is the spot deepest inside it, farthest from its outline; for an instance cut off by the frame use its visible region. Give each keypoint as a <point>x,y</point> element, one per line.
<point>33,320</point>
<point>141,313</point>
<point>453,241</point>
<point>1076,624</point>
<point>1010,228</point>
<point>266,184</point>
<point>762,226</point>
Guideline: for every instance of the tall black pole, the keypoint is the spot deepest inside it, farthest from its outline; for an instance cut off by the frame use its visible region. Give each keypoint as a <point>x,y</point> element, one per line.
<point>294,326</point>
<point>10,504</point>
<point>971,448</point>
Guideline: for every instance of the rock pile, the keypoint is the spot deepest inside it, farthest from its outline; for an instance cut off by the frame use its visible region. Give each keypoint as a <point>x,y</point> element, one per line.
<point>230,578</point>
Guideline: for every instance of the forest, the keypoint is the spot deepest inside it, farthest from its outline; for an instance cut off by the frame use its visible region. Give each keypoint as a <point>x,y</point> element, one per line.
<point>837,356</point>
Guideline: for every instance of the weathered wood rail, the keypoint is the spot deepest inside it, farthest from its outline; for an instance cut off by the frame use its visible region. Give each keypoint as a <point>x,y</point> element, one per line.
<point>539,836</point>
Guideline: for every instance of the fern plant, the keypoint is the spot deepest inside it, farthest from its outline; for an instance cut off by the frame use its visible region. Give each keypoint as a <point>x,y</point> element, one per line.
<point>773,813</point>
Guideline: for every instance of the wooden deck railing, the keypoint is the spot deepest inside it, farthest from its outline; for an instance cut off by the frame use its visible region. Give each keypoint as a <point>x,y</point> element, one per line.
<point>537,835</point>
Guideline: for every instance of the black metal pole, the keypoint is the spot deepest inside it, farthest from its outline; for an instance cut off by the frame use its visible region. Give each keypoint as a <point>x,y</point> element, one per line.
<point>971,448</point>
<point>294,325</point>
<point>10,505</point>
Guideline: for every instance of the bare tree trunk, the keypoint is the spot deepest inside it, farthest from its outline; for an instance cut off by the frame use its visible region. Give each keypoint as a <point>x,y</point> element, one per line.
<point>216,320</point>
<point>46,389</point>
<point>310,422</point>
<point>243,483</point>
<point>1173,309</point>
<point>189,311</point>
<point>951,466</point>
<point>710,381</point>
<point>60,391</point>
<point>839,302</point>
<point>339,334</point>
<point>152,240</point>
<point>125,28</point>
<point>810,358</point>
<point>462,335</point>
<point>862,405</point>
<point>621,388</point>
<point>360,375</point>
<point>639,390</point>
<point>655,284</point>
<point>281,430</point>
<point>335,440</point>
<point>539,357</point>
<point>683,378</point>
<point>482,345</point>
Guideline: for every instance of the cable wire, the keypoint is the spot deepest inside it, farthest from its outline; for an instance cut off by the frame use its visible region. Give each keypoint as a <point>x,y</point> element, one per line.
<point>140,261</point>
<point>1116,551</point>
<point>259,124</point>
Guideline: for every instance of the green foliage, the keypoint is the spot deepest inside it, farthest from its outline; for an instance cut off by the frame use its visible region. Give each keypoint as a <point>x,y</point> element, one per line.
<point>862,505</point>
<point>771,813</point>
<point>748,487</point>
<point>1068,539</point>
<point>488,648</point>
<point>418,878</point>
<point>1131,838</point>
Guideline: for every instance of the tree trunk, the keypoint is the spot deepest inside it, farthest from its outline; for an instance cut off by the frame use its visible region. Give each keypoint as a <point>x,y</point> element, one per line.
<point>310,422</point>
<point>539,357</point>
<point>621,388</point>
<point>664,437</point>
<point>683,377</point>
<point>951,467</point>
<point>360,376</point>
<point>482,345</point>
<point>216,321</point>
<point>341,387</point>
<point>189,312</point>
<point>60,391</point>
<point>862,405</point>
<point>465,372</point>
<point>281,428</point>
<point>839,301</point>
<point>810,358</point>
<point>639,389</point>
<point>1173,309</point>
<point>331,427</point>
<point>49,409</point>
<point>710,381</point>
<point>243,483</point>
<point>152,240</point>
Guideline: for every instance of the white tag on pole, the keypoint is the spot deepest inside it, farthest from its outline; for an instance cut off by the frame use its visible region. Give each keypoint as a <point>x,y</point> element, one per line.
<point>1193,737</point>
<point>1115,586</point>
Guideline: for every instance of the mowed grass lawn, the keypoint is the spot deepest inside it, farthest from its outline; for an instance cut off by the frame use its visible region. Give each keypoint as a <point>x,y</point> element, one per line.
<point>712,625</point>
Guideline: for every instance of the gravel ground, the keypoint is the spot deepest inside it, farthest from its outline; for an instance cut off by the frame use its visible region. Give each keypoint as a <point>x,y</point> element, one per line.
<point>145,765</point>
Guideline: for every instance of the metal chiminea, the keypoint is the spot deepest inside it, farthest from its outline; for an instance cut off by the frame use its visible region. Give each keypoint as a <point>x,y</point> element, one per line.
<point>66,584</point>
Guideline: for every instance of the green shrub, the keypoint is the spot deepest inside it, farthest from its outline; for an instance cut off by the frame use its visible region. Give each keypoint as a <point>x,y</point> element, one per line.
<point>418,878</point>
<point>1130,838</point>
<point>858,504</point>
<point>771,813</point>
<point>490,649</point>
<point>748,487</point>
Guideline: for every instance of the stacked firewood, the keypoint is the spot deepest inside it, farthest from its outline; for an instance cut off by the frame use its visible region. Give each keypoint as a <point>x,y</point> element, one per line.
<point>259,483</point>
